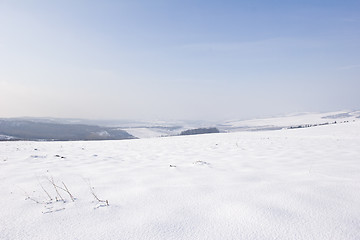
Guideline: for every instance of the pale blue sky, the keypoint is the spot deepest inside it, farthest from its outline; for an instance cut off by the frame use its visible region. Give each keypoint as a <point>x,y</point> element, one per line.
<point>207,60</point>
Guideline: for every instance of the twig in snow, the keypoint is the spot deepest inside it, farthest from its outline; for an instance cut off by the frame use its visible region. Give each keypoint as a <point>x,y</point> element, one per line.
<point>51,180</point>
<point>45,190</point>
<point>95,196</point>
<point>67,190</point>
<point>30,198</point>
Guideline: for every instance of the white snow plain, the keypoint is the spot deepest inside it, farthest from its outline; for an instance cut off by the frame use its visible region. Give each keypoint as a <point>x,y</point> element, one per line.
<point>285,184</point>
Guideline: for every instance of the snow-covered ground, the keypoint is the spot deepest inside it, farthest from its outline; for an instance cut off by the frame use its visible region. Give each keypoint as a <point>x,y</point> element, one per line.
<point>286,184</point>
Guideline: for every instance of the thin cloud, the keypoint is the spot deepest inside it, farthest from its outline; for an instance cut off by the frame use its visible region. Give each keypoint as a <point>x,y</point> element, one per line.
<point>349,67</point>
<point>351,20</point>
<point>259,44</point>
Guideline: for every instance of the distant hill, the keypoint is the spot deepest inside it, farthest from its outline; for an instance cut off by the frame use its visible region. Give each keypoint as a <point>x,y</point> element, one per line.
<point>199,131</point>
<point>32,130</point>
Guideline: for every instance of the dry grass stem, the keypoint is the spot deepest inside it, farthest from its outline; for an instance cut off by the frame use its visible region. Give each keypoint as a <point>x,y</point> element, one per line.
<point>51,180</point>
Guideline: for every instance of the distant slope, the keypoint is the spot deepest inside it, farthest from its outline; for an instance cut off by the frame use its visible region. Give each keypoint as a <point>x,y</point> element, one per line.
<point>197,131</point>
<point>30,130</point>
<point>289,121</point>
<point>82,129</point>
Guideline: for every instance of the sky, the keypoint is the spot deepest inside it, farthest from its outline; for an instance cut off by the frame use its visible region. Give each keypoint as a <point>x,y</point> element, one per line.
<point>178,59</point>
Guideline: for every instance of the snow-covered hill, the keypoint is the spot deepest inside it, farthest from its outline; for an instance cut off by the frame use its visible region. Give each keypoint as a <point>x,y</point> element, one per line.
<point>285,184</point>
<point>158,129</point>
<point>290,120</point>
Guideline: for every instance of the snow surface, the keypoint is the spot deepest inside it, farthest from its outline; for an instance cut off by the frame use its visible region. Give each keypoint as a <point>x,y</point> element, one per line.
<point>285,184</point>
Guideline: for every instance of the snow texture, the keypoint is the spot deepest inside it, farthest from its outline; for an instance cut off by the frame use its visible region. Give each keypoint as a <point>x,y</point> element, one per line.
<point>286,184</point>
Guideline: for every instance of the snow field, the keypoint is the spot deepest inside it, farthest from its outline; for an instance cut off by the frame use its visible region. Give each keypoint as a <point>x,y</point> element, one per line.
<point>286,184</point>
